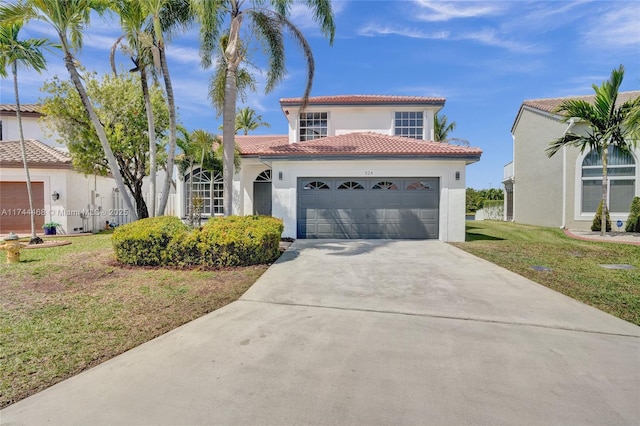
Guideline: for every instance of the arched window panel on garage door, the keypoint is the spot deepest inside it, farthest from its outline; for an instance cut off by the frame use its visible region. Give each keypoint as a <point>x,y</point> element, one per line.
<point>350,185</point>
<point>418,186</point>
<point>315,184</point>
<point>386,184</point>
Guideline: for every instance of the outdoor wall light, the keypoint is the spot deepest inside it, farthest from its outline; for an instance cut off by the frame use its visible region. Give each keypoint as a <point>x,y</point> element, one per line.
<point>55,196</point>
<point>280,175</point>
<point>457,175</point>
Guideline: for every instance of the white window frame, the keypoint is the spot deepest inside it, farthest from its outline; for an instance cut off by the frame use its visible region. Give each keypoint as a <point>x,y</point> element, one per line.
<point>579,179</point>
<point>306,118</point>
<point>420,129</point>
<point>214,196</point>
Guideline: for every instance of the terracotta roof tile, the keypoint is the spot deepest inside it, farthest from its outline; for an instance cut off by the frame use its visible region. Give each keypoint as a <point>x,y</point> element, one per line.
<point>28,108</point>
<point>365,99</point>
<point>550,104</point>
<point>354,144</point>
<point>37,154</point>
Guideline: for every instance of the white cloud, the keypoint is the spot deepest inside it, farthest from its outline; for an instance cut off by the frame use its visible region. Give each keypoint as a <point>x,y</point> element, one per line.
<point>439,11</point>
<point>615,29</point>
<point>488,37</point>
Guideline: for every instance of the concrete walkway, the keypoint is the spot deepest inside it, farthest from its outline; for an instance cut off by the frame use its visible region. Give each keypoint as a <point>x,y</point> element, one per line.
<point>369,332</point>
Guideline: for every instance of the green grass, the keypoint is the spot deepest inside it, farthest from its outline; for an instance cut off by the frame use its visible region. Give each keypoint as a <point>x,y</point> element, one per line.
<point>574,264</point>
<point>65,309</point>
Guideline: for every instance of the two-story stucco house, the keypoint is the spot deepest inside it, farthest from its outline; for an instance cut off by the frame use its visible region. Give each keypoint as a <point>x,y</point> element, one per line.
<point>564,190</point>
<point>354,166</point>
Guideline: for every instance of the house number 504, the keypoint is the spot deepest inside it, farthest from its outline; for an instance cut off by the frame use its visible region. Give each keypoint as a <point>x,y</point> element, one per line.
<point>368,172</point>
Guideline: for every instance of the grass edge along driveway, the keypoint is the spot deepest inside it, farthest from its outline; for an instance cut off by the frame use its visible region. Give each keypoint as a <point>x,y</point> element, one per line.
<point>66,309</point>
<point>570,266</point>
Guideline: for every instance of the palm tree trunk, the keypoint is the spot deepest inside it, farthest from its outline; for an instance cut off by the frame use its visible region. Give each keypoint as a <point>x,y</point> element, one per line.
<point>605,189</point>
<point>229,114</point>
<point>172,131</point>
<point>152,141</point>
<point>23,151</point>
<point>111,159</point>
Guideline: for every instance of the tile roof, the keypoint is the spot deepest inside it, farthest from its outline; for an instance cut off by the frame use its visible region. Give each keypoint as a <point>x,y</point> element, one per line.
<point>28,108</point>
<point>38,154</point>
<point>352,144</point>
<point>364,100</point>
<point>550,104</point>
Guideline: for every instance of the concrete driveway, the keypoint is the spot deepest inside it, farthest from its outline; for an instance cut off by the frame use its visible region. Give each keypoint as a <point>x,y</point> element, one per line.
<point>369,332</point>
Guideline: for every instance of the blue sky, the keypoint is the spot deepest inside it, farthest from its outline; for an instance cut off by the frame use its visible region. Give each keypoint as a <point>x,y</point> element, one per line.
<point>485,58</point>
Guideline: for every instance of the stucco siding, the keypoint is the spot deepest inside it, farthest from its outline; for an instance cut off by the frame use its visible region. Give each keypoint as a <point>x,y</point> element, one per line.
<point>538,179</point>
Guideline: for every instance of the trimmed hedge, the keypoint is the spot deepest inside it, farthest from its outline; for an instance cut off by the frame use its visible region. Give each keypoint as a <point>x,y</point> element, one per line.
<point>633,222</point>
<point>144,242</point>
<point>220,242</point>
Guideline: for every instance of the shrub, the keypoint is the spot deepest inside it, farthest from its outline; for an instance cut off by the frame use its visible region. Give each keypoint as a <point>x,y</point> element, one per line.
<point>144,241</point>
<point>228,241</point>
<point>596,225</point>
<point>240,240</point>
<point>633,223</point>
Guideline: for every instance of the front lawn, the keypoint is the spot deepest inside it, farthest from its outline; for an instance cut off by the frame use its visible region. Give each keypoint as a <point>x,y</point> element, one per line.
<point>65,309</point>
<point>574,265</point>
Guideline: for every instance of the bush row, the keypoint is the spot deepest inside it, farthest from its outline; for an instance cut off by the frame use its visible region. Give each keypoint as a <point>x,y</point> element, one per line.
<point>220,242</point>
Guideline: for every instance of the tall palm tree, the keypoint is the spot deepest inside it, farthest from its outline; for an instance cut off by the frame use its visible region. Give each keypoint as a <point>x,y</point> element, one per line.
<point>28,53</point>
<point>609,124</point>
<point>269,26</point>
<point>132,19</point>
<point>68,19</point>
<point>247,119</point>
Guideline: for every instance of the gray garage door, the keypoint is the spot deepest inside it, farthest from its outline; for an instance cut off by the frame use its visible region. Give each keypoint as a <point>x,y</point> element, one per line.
<point>368,207</point>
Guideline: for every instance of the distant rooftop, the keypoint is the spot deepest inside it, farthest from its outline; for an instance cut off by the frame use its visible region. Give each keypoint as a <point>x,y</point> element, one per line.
<point>38,155</point>
<point>365,100</point>
<point>550,104</point>
<point>26,108</point>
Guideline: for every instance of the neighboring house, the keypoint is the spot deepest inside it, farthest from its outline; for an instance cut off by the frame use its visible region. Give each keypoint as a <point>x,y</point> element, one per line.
<point>78,203</point>
<point>564,190</point>
<point>31,124</point>
<point>358,166</point>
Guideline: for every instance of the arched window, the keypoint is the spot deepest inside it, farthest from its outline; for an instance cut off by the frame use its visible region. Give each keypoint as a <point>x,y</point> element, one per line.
<point>621,170</point>
<point>316,185</point>
<point>385,185</point>
<point>350,185</point>
<point>264,176</point>
<point>200,185</point>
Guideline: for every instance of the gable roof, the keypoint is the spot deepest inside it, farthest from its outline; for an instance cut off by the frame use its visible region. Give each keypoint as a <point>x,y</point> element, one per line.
<point>549,105</point>
<point>365,100</point>
<point>39,155</point>
<point>354,146</point>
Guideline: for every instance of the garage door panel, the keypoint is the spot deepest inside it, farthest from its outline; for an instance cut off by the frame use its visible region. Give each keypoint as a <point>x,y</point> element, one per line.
<point>14,206</point>
<point>368,208</point>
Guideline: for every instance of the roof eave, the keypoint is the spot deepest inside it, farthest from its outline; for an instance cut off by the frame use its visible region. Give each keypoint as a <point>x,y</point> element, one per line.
<point>468,158</point>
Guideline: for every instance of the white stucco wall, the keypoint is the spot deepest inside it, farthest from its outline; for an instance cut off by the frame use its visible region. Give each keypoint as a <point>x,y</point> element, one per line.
<point>350,119</point>
<point>452,194</point>
<point>75,192</point>
<point>32,128</point>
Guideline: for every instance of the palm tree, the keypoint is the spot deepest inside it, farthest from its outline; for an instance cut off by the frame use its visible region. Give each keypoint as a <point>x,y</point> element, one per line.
<point>132,20</point>
<point>29,54</point>
<point>68,19</point>
<point>609,124</point>
<point>246,119</point>
<point>442,129</point>
<point>268,27</point>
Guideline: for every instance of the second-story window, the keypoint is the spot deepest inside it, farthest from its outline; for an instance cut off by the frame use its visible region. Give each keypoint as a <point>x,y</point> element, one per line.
<point>409,124</point>
<point>313,125</point>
